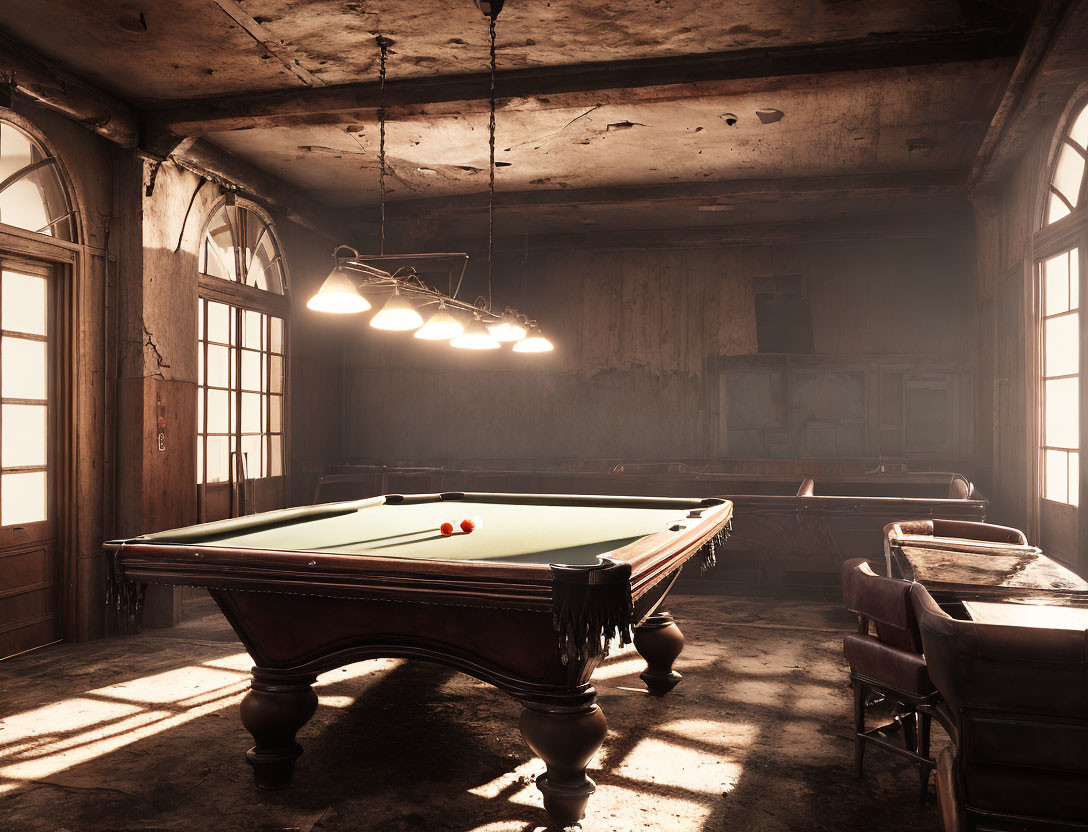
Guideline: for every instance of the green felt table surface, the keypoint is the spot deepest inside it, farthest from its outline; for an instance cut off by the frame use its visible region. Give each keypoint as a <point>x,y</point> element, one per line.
<point>567,534</point>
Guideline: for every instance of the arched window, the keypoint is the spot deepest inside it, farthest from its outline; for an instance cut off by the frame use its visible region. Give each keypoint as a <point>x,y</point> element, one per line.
<point>1060,245</point>
<point>32,191</point>
<point>1068,182</point>
<point>242,378</point>
<point>240,245</point>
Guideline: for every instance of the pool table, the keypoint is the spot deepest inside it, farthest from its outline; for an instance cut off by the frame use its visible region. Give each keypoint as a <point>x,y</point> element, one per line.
<point>529,601</point>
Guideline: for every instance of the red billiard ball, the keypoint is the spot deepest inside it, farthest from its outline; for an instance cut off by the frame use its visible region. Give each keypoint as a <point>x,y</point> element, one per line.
<point>467,525</point>
<point>446,529</point>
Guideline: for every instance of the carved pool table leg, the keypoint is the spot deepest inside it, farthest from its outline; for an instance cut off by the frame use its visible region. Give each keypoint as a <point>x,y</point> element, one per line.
<point>566,740</point>
<point>273,712</point>
<point>659,641</point>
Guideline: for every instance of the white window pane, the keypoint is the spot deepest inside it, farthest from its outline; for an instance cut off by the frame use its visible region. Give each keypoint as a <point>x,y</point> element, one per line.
<point>219,420</point>
<point>219,322</point>
<point>22,205</point>
<point>253,448</point>
<point>1056,284</point>
<point>275,468</point>
<point>1056,209</point>
<point>1079,131</point>
<point>200,320</point>
<point>22,498</point>
<point>220,246</point>
<point>276,372</point>
<point>23,368</point>
<point>1056,485</point>
<point>252,329</point>
<point>277,335</point>
<point>251,413</point>
<point>218,366</point>
<point>1074,479</point>
<point>24,435</point>
<point>275,414</point>
<point>16,150</point>
<point>200,410</point>
<point>251,370</point>
<point>1062,413</point>
<point>1062,345</point>
<point>200,459</point>
<point>1074,278</point>
<point>1068,173</point>
<point>23,303</point>
<point>218,458</point>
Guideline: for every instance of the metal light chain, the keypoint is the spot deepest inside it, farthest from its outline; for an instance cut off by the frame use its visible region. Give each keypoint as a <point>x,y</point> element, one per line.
<point>491,166</point>
<point>381,142</point>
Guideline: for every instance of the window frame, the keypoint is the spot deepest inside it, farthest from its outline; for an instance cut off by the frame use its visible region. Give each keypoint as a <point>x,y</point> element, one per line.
<point>1050,240</point>
<point>241,296</point>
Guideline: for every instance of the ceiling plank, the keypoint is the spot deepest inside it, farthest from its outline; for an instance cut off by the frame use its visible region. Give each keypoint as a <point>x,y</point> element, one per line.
<point>38,79</point>
<point>469,92</point>
<point>276,48</point>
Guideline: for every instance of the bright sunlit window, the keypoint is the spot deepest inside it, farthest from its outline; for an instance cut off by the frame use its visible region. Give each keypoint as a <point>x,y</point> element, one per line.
<point>1067,183</point>
<point>240,245</point>
<point>32,192</point>
<point>240,393</point>
<point>241,335</point>
<point>1061,377</point>
<point>24,385</point>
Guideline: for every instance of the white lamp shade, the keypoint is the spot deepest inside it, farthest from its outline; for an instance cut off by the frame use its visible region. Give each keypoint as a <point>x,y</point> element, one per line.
<point>338,295</point>
<point>534,342</point>
<point>397,315</point>
<point>507,328</point>
<point>441,326</point>
<point>475,337</point>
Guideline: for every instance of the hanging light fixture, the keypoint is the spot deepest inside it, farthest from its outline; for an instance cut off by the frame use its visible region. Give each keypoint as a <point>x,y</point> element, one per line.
<point>441,326</point>
<point>475,337</point>
<point>398,314</point>
<point>338,294</point>
<point>534,341</point>
<point>509,327</point>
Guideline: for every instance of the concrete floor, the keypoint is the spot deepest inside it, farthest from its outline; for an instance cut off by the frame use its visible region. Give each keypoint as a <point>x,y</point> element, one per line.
<point>143,734</point>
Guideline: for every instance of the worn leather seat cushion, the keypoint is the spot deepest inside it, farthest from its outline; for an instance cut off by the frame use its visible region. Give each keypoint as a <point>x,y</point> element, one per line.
<point>1024,791</point>
<point>898,668</point>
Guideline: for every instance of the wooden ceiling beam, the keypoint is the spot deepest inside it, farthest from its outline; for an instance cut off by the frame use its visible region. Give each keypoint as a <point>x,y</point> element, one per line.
<point>937,225</point>
<point>212,162</point>
<point>468,92</point>
<point>33,76</point>
<point>1039,39</point>
<point>1052,67</point>
<point>804,189</point>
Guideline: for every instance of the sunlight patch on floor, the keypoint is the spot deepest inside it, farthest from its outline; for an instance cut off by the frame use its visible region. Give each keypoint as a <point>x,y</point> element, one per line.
<point>517,786</point>
<point>41,742</point>
<point>664,811</point>
<point>727,737</point>
<point>357,670</point>
<point>656,760</point>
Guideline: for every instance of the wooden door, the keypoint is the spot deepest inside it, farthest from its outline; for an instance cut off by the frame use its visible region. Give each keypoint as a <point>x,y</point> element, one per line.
<point>29,570</point>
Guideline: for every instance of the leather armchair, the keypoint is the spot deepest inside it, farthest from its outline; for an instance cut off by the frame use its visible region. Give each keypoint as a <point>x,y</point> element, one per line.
<point>885,657</point>
<point>1018,701</point>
